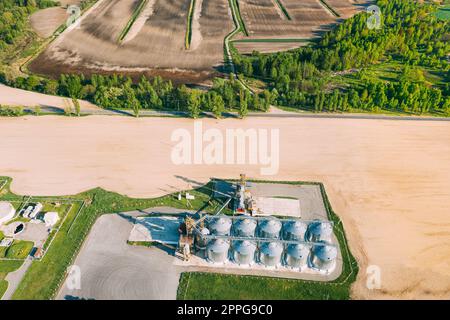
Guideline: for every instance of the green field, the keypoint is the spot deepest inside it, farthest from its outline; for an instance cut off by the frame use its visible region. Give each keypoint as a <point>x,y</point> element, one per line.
<point>7,266</point>
<point>197,285</point>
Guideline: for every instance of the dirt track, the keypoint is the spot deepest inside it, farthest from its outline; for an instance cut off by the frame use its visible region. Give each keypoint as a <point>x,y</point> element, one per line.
<point>388,180</point>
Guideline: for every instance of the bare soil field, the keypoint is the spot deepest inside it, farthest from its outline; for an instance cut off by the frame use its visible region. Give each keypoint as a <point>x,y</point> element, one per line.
<point>46,21</point>
<point>388,180</point>
<point>266,47</point>
<point>309,19</point>
<point>158,45</point>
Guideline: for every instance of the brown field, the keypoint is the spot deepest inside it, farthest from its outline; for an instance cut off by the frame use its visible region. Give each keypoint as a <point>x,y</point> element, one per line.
<point>157,47</point>
<point>388,180</point>
<point>309,19</point>
<point>46,21</point>
<point>265,47</point>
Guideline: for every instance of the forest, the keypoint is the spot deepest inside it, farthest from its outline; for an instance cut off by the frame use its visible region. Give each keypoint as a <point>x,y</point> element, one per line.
<point>410,35</point>
<point>14,17</point>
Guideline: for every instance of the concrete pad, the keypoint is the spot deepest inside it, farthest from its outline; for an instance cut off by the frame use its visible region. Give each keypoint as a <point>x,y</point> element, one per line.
<point>278,207</point>
<point>112,269</point>
<point>159,229</point>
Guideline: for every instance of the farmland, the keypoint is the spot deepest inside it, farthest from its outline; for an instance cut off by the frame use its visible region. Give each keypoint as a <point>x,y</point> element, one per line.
<point>154,44</point>
<point>290,19</point>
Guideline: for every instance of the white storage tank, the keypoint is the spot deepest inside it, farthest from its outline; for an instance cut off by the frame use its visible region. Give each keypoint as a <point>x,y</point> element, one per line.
<point>294,230</point>
<point>296,255</point>
<point>244,252</point>
<point>245,227</point>
<point>217,250</point>
<point>319,231</point>
<point>220,226</point>
<point>270,228</point>
<point>323,258</point>
<point>270,254</point>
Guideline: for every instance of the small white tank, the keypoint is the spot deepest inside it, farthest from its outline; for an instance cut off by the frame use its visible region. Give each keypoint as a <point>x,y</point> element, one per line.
<point>217,250</point>
<point>244,252</point>
<point>244,228</point>
<point>220,225</point>
<point>296,256</point>
<point>270,254</point>
<point>270,228</point>
<point>200,240</point>
<point>294,230</point>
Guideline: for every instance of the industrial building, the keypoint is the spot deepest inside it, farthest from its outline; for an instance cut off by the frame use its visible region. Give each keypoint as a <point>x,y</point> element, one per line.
<point>246,238</point>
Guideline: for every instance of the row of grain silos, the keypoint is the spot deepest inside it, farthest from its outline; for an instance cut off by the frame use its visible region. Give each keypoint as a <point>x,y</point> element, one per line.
<point>271,228</point>
<point>257,247</point>
<point>272,254</point>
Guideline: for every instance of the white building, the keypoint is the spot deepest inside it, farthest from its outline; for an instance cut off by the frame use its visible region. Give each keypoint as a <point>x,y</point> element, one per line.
<point>51,218</point>
<point>7,212</point>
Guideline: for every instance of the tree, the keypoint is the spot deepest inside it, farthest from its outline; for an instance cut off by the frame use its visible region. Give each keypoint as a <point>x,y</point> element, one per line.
<point>243,105</point>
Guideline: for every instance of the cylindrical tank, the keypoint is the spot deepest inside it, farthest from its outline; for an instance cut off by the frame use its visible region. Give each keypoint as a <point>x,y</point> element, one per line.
<point>200,240</point>
<point>270,228</point>
<point>319,231</point>
<point>244,228</point>
<point>296,255</point>
<point>270,254</point>
<point>220,226</point>
<point>323,257</point>
<point>244,252</point>
<point>294,230</point>
<point>217,250</point>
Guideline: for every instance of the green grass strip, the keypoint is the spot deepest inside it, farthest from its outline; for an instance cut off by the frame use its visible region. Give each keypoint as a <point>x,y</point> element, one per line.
<point>282,7</point>
<point>130,23</point>
<point>272,40</point>
<point>237,10</point>
<point>330,8</point>
<point>188,39</point>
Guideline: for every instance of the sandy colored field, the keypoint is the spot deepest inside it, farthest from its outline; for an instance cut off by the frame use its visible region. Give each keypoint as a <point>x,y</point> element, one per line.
<point>156,44</point>
<point>266,47</point>
<point>46,21</point>
<point>388,180</point>
<point>17,97</point>
<point>309,19</point>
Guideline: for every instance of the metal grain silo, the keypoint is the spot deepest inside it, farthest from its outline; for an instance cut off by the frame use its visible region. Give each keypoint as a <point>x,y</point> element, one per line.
<point>319,231</point>
<point>323,258</point>
<point>220,225</point>
<point>270,228</point>
<point>217,250</point>
<point>244,252</point>
<point>294,230</point>
<point>270,253</point>
<point>296,255</point>
<point>200,240</point>
<point>245,227</point>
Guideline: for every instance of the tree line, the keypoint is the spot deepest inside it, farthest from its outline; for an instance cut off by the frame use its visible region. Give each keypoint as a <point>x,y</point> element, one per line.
<point>120,92</point>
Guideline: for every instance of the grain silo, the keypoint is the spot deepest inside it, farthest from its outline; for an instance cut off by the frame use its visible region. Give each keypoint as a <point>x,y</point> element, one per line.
<point>319,231</point>
<point>270,228</point>
<point>201,240</point>
<point>217,250</point>
<point>244,252</point>
<point>270,253</point>
<point>294,230</point>
<point>244,227</point>
<point>296,255</point>
<point>323,258</point>
<point>220,226</point>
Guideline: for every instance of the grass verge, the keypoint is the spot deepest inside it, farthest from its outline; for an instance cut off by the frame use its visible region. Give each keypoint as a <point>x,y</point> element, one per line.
<point>200,285</point>
<point>283,9</point>
<point>190,18</point>
<point>330,8</point>
<point>235,7</point>
<point>130,23</point>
